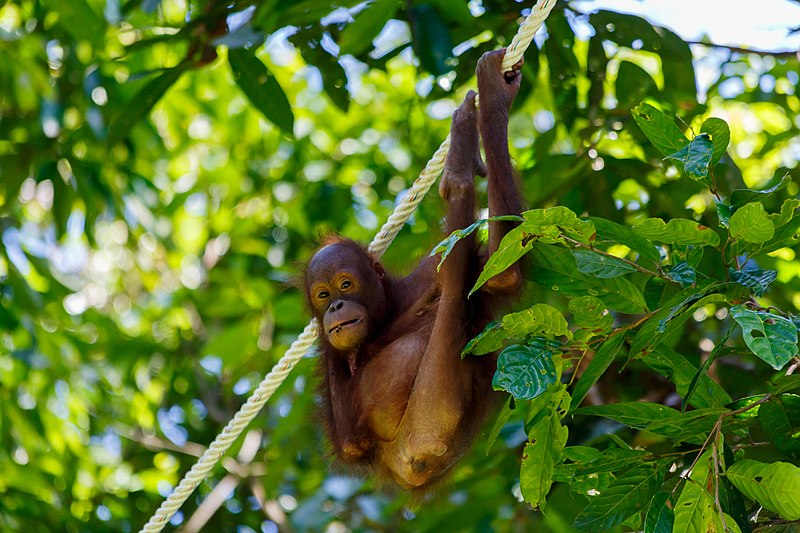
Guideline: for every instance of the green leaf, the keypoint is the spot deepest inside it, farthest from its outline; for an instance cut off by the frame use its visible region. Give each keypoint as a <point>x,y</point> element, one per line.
<point>688,253</point>
<point>691,426</point>
<point>142,103</point>
<point>695,511</point>
<point>683,274</point>
<point>601,266</point>
<point>784,384</point>
<point>637,415</point>
<point>787,212</point>
<point>660,515</point>
<point>612,231</point>
<point>751,223</point>
<point>555,268</point>
<point>602,359</point>
<point>432,43</point>
<point>724,213</point>
<point>261,88</point>
<point>773,485</point>
<point>720,136</point>
<point>550,223</point>
<point>695,157</point>
<point>447,245</point>
<point>80,20</point>
<point>357,36</point>
<point>677,231</point>
<point>659,129</point>
<point>670,318</point>
<point>755,279</point>
<point>512,247</point>
<point>500,422</point>
<point>633,84</point>
<point>526,370</point>
<point>776,423</point>
<point>540,456</point>
<point>678,369</point>
<point>590,313</point>
<point>771,337</point>
<point>541,319</point>
<point>625,496</point>
<point>489,340</point>
<point>740,197</point>
<point>786,231</point>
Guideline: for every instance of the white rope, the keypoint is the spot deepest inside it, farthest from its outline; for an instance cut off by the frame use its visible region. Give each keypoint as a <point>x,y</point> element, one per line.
<point>299,347</point>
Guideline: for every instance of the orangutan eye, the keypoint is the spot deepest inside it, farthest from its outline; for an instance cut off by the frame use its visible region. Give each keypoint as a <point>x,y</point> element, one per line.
<point>323,295</point>
<point>346,284</point>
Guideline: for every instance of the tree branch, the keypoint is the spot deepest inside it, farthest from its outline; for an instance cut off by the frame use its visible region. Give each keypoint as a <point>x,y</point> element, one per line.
<point>740,50</point>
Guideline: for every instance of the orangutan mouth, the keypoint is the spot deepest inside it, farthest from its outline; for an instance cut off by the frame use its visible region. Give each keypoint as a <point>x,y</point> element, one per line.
<point>338,327</point>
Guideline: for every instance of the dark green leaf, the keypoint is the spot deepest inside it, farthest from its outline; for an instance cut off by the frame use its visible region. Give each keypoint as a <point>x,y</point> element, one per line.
<point>601,266</point>
<point>602,359</point>
<point>555,268</point>
<point>702,375</point>
<point>432,43</point>
<point>695,157</point>
<point>720,135</point>
<point>775,423</point>
<point>660,515</point>
<point>637,415</point>
<point>741,197</point>
<point>79,19</point>
<point>682,273</point>
<point>261,88</point>
<point>755,279</point>
<point>625,496</point>
<point>142,103</point>
<point>724,213</point>
<point>633,84</point>
<point>784,384</point>
<point>622,235</point>
<point>771,337</point>
<point>692,426</point>
<point>358,35</point>
<point>502,418</point>
<point>705,393</point>
<point>526,370</point>
<point>669,319</point>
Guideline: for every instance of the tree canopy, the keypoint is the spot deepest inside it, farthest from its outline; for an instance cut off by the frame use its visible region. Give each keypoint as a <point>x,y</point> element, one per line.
<point>166,167</point>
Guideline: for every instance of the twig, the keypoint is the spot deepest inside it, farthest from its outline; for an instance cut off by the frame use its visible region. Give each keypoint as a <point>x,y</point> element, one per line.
<point>740,50</point>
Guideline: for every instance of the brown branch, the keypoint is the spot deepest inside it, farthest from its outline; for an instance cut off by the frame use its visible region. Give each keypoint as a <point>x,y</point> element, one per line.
<point>740,50</point>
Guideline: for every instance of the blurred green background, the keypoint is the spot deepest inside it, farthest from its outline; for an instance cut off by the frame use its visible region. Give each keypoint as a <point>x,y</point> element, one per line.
<point>166,166</point>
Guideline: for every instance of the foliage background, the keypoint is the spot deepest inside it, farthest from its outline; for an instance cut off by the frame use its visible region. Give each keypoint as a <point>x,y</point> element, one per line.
<point>159,188</point>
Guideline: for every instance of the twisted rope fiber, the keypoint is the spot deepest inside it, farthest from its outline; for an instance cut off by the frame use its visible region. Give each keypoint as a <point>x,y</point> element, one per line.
<point>299,347</point>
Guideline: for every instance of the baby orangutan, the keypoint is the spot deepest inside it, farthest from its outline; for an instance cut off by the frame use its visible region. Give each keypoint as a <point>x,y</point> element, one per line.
<point>399,399</point>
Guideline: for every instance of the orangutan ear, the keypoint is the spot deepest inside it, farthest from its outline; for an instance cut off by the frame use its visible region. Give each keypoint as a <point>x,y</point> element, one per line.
<point>379,270</point>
